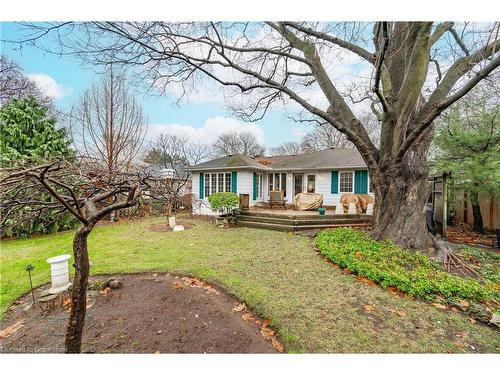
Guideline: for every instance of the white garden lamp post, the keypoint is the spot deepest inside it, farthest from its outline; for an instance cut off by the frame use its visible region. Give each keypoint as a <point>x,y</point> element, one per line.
<point>59,272</point>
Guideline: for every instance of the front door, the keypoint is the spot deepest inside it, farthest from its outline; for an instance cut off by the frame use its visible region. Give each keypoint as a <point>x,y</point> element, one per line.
<point>298,181</point>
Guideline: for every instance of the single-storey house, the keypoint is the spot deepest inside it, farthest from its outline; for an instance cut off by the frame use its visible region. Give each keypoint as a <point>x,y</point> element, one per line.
<point>331,172</point>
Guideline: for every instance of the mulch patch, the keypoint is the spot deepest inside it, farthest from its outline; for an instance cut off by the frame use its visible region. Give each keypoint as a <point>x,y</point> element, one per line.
<point>151,313</point>
<point>163,227</point>
<point>462,233</point>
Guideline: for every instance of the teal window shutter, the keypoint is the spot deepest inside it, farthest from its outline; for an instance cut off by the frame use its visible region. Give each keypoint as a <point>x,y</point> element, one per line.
<point>361,182</point>
<point>234,181</point>
<point>335,182</point>
<point>202,186</point>
<point>254,186</point>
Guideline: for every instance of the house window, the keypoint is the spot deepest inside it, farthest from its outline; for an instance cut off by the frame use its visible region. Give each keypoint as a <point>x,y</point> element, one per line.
<point>228,182</point>
<point>217,182</point>
<point>277,181</point>
<point>259,185</point>
<point>220,182</point>
<point>213,183</point>
<point>346,182</point>
<point>311,183</point>
<point>207,184</point>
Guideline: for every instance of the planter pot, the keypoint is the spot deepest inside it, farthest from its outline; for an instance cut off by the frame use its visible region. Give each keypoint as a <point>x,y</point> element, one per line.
<point>171,222</point>
<point>59,272</point>
<point>321,210</point>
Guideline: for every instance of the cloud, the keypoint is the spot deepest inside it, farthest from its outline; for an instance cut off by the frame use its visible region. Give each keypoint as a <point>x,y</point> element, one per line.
<point>48,85</point>
<point>210,130</point>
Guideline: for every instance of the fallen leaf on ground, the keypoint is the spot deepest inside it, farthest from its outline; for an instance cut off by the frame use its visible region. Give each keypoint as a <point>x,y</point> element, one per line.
<point>400,313</point>
<point>440,306</point>
<point>266,322</point>
<point>346,270</point>
<point>392,290</point>
<point>277,345</point>
<point>239,307</point>
<point>105,291</point>
<point>368,307</point>
<point>178,285</point>
<point>464,303</point>
<point>11,329</point>
<point>67,303</point>
<point>248,317</point>
<point>473,321</point>
<point>366,280</point>
<point>267,332</point>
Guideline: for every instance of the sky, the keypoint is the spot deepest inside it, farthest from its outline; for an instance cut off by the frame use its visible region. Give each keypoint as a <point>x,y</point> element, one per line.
<point>65,78</point>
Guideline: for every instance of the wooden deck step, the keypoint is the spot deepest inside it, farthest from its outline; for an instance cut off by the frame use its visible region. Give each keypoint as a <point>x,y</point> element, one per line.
<point>298,222</point>
<point>296,228</point>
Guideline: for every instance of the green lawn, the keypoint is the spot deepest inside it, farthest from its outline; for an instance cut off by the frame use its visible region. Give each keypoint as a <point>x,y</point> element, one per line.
<point>314,306</point>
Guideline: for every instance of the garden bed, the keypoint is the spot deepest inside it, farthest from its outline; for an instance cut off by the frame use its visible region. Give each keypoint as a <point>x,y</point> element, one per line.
<point>415,273</point>
<point>150,313</point>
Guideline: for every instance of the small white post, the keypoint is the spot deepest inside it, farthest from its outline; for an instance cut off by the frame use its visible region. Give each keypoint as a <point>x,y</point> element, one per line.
<point>369,209</point>
<point>171,222</point>
<point>339,209</point>
<point>352,209</point>
<point>59,272</point>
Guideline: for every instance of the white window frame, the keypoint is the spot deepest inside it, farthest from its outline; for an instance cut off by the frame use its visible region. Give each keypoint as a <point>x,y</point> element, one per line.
<point>215,187</point>
<point>307,181</point>
<point>370,189</point>
<point>260,185</point>
<point>277,186</point>
<point>352,182</point>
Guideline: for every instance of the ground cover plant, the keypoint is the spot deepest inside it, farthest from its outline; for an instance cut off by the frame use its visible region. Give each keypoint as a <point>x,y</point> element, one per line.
<point>313,306</point>
<point>409,271</point>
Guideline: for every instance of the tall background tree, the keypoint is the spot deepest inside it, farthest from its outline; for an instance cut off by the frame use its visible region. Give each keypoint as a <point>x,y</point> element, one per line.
<point>14,84</point>
<point>322,136</point>
<point>415,71</point>
<point>108,122</point>
<point>28,134</point>
<point>468,146</point>
<point>242,143</point>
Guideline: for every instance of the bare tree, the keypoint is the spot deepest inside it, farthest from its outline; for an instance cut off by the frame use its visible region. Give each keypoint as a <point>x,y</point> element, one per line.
<point>287,148</point>
<point>15,84</point>
<point>108,123</point>
<point>418,69</point>
<point>232,143</point>
<point>324,136</point>
<point>174,154</point>
<point>85,189</point>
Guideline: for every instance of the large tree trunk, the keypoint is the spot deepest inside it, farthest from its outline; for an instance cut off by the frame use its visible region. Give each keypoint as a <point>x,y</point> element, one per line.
<point>476,213</point>
<point>399,212</point>
<point>76,320</point>
<point>401,193</point>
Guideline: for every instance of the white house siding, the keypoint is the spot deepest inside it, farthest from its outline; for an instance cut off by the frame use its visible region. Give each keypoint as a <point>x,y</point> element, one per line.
<point>244,186</point>
<point>323,186</point>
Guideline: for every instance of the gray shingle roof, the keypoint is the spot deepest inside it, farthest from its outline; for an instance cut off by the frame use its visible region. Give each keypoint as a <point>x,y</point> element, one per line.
<point>331,158</point>
<point>229,162</point>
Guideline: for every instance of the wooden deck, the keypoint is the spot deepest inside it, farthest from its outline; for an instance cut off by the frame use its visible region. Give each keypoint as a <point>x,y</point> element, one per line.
<point>294,220</point>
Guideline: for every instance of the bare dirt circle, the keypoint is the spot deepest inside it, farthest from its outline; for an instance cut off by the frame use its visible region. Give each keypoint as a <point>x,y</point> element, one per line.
<point>150,313</point>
